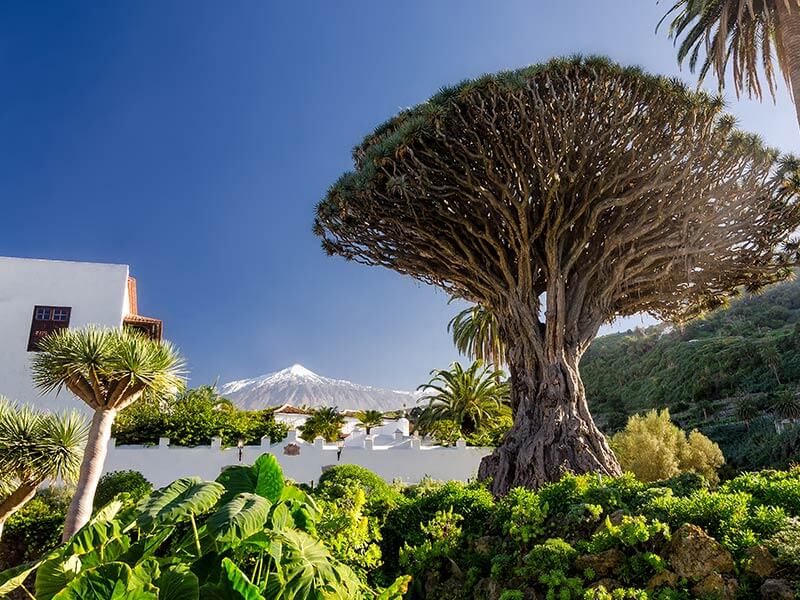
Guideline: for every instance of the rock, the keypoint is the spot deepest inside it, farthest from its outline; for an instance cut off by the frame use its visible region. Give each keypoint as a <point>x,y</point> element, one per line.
<point>664,579</point>
<point>759,562</point>
<point>487,589</point>
<point>486,544</point>
<point>716,587</point>
<point>694,554</point>
<point>777,589</point>
<point>602,564</point>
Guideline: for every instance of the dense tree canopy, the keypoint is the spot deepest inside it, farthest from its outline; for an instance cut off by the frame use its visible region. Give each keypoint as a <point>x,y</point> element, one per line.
<point>560,196</point>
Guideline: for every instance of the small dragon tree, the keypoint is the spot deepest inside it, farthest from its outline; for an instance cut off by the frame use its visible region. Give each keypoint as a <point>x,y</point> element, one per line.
<point>560,196</point>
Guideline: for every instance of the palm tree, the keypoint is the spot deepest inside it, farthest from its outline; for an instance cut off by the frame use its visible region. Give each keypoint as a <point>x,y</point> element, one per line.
<point>325,421</point>
<point>470,397</point>
<point>369,419</point>
<point>476,335</point>
<point>746,411</point>
<point>108,369</point>
<point>786,405</point>
<point>35,447</point>
<point>744,33</point>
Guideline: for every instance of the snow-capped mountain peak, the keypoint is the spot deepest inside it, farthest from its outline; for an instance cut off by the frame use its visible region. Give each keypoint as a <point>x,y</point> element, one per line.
<point>300,387</point>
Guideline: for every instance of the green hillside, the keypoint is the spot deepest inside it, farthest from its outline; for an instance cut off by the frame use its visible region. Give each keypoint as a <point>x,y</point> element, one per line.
<point>732,364</point>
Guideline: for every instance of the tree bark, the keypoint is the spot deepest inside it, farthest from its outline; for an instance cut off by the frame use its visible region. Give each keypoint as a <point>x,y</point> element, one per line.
<point>788,29</point>
<point>94,457</point>
<point>16,500</point>
<point>553,432</point>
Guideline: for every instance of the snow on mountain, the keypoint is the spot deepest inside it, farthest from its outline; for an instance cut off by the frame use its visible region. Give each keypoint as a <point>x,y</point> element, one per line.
<point>299,387</point>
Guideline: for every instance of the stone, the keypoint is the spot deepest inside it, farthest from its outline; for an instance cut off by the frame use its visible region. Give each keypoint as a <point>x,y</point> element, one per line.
<point>694,554</point>
<point>486,544</point>
<point>759,562</point>
<point>716,587</point>
<point>602,564</point>
<point>777,589</point>
<point>665,578</point>
<point>487,589</point>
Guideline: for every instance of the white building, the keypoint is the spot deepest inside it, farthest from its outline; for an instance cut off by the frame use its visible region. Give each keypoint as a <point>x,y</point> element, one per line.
<point>40,296</point>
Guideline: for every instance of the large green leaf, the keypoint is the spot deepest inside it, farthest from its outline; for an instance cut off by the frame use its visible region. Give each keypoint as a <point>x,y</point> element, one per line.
<point>111,581</point>
<point>11,579</point>
<point>177,501</point>
<point>232,585</point>
<point>269,477</point>
<point>239,518</point>
<point>178,583</point>
<point>238,479</point>
<point>397,590</point>
<point>55,573</point>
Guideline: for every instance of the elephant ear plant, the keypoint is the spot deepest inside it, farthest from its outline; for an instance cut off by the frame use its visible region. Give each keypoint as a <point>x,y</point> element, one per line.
<point>247,536</point>
<point>108,369</point>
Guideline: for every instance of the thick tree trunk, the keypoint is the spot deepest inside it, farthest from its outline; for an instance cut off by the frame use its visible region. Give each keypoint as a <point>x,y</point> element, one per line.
<point>94,457</point>
<point>789,31</point>
<point>16,500</point>
<point>553,432</point>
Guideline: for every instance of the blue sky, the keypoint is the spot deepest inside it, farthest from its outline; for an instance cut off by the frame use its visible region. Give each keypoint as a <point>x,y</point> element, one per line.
<point>192,140</point>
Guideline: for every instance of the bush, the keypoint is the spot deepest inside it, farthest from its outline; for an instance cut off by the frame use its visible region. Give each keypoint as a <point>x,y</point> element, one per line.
<point>334,482</point>
<point>193,419</point>
<point>553,555</point>
<point>653,448</point>
<point>403,523</point>
<point>770,488</point>
<point>36,528</point>
<point>117,482</point>
<point>732,518</point>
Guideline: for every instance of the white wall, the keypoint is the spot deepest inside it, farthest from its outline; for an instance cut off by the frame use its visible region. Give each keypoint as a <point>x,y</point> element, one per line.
<point>406,460</point>
<point>97,293</point>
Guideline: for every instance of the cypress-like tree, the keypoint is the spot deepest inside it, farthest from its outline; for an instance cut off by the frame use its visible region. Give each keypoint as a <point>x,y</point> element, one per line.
<point>560,196</point>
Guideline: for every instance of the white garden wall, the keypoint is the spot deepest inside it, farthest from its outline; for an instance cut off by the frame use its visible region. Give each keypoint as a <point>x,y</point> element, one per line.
<point>406,459</point>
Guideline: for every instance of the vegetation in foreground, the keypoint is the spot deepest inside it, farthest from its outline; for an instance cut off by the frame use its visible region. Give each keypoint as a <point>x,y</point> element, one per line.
<point>251,535</point>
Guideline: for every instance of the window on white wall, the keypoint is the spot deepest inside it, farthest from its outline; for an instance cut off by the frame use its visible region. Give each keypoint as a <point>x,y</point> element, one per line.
<point>47,319</point>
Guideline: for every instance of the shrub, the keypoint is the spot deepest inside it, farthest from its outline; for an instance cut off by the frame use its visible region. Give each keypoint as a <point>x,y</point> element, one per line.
<point>334,482</point>
<point>193,419</point>
<point>653,448</point>
<point>553,555</point>
<point>630,532</point>
<point>770,488</point>
<point>732,518</point>
<point>785,544</point>
<point>403,523</point>
<point>117,482</point>
<point>445,431</point>
<point>35,529</point>
<point>351,536</point>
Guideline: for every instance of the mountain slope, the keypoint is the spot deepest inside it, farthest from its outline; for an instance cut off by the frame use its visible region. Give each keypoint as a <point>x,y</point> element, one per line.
<point>299,387</point>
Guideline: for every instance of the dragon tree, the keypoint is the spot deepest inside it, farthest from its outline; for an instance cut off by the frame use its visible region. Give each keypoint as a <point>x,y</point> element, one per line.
<point>559,197</point>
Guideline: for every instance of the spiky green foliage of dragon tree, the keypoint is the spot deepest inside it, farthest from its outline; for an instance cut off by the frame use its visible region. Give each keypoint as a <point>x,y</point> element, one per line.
<point>560,196</point>
<point>35,447</point>
<point>744,35</point>
<point>471,397</point>
<point>108,369</point>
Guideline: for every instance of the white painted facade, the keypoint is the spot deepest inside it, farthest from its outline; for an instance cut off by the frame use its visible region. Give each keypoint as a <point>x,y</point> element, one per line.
<point>96,293</point>
<point>398,457</point>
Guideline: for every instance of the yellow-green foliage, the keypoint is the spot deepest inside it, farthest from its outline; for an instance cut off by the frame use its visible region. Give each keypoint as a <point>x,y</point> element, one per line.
<point>653,448</point>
